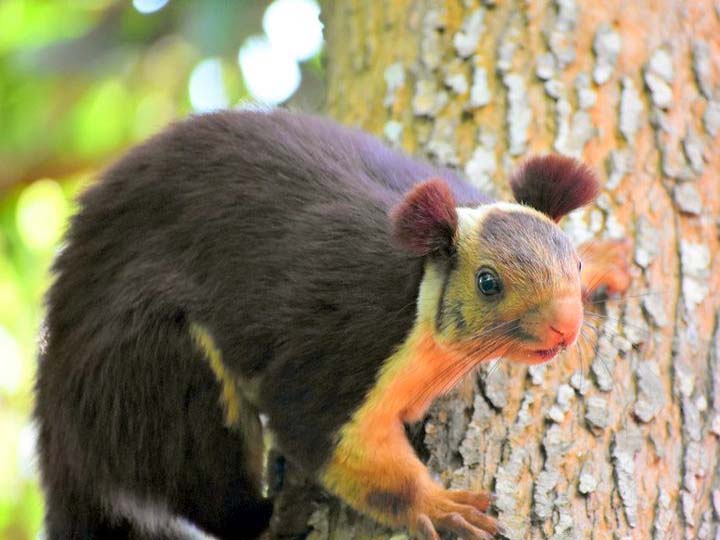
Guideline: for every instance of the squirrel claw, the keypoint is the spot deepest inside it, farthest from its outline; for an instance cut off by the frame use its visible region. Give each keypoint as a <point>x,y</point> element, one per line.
<point>461,513</point>
<point>480,500</point>
<point>453,523</point>
<point>425,528</point>
<point>460,526</point>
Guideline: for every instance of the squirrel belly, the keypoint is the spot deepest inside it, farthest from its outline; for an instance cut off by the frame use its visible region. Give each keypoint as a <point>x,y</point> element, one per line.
<point>244,263</point>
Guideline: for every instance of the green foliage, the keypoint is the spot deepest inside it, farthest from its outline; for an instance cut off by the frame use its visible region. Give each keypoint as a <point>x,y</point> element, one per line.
<point>35,23</point>
<point>79,82</point>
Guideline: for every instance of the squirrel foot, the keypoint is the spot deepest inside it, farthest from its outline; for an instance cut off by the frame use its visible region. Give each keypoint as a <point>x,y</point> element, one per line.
<point>606,267</point>
<point>458,512</point>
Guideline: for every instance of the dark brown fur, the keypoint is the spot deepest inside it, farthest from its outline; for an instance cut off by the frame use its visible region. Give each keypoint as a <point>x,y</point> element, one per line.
<point>271,230</point>
<point>394,502</point>
<point>554,185</point>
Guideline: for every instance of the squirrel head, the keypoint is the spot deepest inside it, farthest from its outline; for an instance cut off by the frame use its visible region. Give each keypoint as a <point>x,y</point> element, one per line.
<point>501,279</point>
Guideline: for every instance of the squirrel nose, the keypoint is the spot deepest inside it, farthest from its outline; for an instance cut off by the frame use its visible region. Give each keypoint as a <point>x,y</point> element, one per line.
<point>565,321</point>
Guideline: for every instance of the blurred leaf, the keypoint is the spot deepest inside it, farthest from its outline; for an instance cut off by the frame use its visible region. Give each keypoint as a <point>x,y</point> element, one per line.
<point>27,109</point>
<point>41,214</point>
<point>101,118</point>
<point>32,23</point>
<point>79,82</point>
<point>154,111</point>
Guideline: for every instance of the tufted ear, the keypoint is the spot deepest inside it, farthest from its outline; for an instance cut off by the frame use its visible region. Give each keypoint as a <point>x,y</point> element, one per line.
<point>426,221</point>
<point>554,185</point>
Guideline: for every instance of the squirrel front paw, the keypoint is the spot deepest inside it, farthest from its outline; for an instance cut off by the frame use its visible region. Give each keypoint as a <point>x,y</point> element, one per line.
<point>606,267</point>
<point>458,512</point>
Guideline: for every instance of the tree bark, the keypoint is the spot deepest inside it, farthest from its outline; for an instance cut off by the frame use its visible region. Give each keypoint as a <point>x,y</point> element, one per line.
<point>618,439</point>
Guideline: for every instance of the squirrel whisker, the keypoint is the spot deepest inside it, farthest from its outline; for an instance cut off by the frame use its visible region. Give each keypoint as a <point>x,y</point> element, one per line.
<point>471,360</point>
<point>492,369</point>
<point>597,279</point>
<point>449,376</point>
<point>636,327</point>
<point>601,358</point>
<point>625,297</point>
<point>505,326</point>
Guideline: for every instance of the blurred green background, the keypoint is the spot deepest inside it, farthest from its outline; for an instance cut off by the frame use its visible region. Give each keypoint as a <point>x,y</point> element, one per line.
<point>80,81</point>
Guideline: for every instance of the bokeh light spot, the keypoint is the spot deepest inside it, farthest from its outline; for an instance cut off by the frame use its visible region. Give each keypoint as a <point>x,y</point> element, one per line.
<point>207,89</point>
<point>149,6</point>
<point>271,75</point>
<point>153,112</point>
<point>101,118</point>
<point>27,443</point>
<point>294,27</point>
<point>41,213</point>
<point>12,363</point>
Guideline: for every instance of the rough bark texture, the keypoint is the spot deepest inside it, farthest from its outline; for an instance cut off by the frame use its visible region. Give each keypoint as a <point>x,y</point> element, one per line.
<point>620,439</point>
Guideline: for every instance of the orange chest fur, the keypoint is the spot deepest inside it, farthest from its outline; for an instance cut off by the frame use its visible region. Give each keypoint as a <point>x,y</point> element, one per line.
<point>424,371</point>
<point>409,381</point>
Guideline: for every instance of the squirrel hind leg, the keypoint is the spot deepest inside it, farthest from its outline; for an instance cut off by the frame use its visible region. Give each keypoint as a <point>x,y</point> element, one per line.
<point>220,488</point>
<point>72,517</point>
<point>63,523</point>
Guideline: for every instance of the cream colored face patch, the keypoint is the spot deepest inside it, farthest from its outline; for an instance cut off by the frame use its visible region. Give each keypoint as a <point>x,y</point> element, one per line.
<point>531,259</point>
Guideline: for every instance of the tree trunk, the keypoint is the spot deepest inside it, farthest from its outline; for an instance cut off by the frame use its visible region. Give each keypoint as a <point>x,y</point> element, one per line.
<point>620,438</point>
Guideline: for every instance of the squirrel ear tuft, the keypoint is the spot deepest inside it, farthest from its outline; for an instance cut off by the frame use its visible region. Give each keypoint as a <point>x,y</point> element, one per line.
<point>554,185</point>
<point>426,221</point>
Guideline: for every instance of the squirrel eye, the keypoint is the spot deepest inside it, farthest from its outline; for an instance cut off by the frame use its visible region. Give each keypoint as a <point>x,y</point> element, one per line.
<point>579,266</point>
<point>488,283</point>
